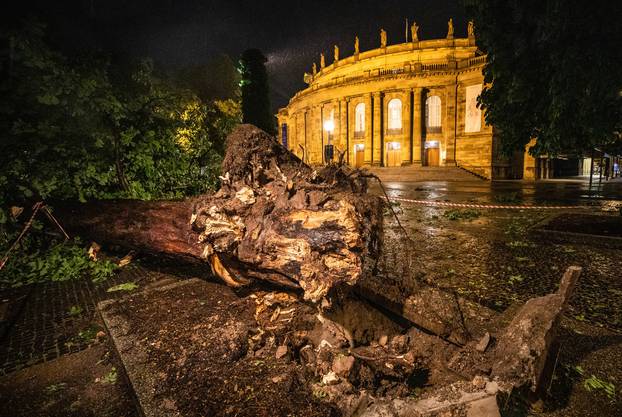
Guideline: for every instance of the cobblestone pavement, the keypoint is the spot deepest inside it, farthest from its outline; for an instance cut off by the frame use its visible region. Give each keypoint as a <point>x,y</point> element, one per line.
<point>56,318</point>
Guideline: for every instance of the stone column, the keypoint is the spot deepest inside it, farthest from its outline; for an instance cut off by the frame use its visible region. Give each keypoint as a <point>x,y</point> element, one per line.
<point>291,129</point>
<point>305,140</point>
<point>314,140</point>
<point>406,151</point>
<point>418,116</point>
<point>369,140</point>
<point>322,135</point>
<point>377,151</point>
<point>449,127</point>
<point>343,129</point>
<point>296,135</point>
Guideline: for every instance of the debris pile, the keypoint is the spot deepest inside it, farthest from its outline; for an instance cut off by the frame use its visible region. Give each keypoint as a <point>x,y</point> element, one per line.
<point>359,359</point>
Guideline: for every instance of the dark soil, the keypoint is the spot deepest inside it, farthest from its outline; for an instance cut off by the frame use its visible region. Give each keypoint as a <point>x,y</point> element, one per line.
<point>195,339</point>
<point>587,224</point>
<point>79,384</point>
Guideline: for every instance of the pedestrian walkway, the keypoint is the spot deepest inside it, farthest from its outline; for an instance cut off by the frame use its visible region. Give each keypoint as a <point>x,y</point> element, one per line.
<point>52,319</point>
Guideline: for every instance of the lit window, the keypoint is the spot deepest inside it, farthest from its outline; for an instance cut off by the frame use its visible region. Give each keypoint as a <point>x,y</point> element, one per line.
<point>395,115</point>
<point>359,118</point>
<point>329,122</point>
<point>433,114</point>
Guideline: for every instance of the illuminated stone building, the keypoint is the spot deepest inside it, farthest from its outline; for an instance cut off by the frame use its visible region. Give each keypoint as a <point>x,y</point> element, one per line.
<point>413,103</point>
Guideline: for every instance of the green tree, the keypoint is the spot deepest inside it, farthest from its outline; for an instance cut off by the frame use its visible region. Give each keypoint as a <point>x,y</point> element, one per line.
<point>554,72</point>
<point>71,130</point>
<point>76,128</point>
<point>255,91</point>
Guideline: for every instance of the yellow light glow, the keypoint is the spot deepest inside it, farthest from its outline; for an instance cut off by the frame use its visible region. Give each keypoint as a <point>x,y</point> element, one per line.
<point>329,125</point>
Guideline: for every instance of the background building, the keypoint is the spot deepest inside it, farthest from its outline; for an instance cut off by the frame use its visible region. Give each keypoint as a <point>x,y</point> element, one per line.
<point>411,103</point>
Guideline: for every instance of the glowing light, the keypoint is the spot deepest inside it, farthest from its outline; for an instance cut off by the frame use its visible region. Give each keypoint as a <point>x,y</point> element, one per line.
<point>329,125</point>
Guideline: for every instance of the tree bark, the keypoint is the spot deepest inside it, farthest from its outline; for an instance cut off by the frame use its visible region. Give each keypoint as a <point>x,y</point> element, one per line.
<point>274,219</point>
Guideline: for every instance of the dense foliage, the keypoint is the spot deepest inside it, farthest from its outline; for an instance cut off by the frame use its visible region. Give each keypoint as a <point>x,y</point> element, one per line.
<point>80,128</point>
<point>76,128</point>
<point>40,260</point>
<point>256,107</point>
<point>555,72</point>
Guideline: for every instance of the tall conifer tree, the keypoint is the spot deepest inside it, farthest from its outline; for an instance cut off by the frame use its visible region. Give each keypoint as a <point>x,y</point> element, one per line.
<point>255,91</point>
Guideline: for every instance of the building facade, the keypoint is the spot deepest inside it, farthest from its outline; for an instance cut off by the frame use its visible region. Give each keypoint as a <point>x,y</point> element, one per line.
<point>413,103</point>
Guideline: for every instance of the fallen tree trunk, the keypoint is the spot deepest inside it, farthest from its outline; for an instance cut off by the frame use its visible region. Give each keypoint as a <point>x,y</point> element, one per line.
<point>274,219</point>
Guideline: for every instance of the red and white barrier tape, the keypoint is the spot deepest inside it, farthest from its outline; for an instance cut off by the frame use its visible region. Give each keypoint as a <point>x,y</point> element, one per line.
<point>483,206</point>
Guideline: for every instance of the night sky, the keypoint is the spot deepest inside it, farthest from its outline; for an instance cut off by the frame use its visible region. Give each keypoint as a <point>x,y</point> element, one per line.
<point>177,33</point>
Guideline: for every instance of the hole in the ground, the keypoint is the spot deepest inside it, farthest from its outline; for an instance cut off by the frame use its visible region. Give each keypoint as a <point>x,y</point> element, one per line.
<point>418,379</point>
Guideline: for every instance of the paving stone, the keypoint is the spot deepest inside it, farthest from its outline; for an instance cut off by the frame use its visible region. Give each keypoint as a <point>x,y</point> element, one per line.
<point>40,326</point>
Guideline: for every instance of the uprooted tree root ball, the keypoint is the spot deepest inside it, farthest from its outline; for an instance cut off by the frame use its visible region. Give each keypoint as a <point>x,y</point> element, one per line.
<point>274,219</point>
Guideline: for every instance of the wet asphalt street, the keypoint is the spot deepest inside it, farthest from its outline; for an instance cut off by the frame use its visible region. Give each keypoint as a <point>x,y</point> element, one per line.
<point>544,192</point>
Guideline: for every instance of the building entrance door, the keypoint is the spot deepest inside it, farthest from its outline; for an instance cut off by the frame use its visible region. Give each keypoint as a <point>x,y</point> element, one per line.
<point>432,157</point>
<point>359,155</point>
<point>394,154</point>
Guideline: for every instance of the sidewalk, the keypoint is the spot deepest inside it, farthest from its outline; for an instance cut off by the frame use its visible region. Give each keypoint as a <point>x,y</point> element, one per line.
<point>46,321</point>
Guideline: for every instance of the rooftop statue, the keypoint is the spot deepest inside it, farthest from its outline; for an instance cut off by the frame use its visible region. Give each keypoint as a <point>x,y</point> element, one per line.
<point>450,29</point>
<point>356,45</point>
<point>314,69</point>
<point>322,61</point>
<point>414,29</point>
<point>336,53</point>
<point>471,29</point>
<point>383,38</point>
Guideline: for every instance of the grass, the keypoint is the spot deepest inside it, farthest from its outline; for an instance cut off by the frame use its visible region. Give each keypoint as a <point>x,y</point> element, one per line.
<point>462,214</point>
<point>110,377</point>
<point>593,383</point>
<point>126,286</point>
<point>515,228</point>
<point>54,388</point>
<point>521,244</point>
<point>75,311</point>
<point>515,278</point>
<point>84,337</point>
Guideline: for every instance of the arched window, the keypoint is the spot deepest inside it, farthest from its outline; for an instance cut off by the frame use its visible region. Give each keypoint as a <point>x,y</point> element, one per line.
<point>359,119</point>
<point>395,116</point>
<point>329,124</point>
<point>433,114</point>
